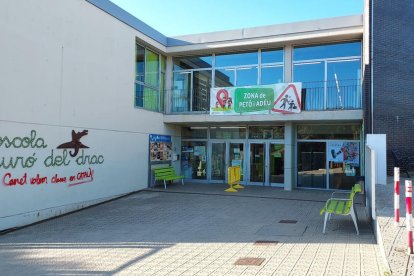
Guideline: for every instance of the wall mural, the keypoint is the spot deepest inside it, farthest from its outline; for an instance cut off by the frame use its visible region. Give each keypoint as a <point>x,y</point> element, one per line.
<point>80,159</point>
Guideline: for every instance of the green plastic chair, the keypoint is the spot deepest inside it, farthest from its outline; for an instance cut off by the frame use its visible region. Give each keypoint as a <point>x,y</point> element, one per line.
<point>341,206</point>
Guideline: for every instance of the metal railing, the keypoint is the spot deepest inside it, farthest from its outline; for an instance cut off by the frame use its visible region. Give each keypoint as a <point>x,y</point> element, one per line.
<point>316,96</point>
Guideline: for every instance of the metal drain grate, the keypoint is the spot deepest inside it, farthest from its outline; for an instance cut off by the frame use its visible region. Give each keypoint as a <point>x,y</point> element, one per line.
<point>266,242</point>
<point>291,221</point>
<point>250,261</point>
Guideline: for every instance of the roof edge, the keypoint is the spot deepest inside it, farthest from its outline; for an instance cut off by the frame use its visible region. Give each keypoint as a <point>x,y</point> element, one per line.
<point>130,20</point>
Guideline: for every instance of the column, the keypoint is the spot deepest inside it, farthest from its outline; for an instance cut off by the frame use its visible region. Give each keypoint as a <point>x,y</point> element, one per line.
<point>289,156</point>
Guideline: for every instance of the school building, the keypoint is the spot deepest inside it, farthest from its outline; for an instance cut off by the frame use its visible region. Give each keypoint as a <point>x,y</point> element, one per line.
<point>93,100</point>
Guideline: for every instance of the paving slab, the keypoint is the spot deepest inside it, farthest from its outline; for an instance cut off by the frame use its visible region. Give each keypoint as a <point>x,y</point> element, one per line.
<point>195,230</point>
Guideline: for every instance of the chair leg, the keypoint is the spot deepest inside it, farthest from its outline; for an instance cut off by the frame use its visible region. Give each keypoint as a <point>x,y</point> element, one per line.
<point>165,185</point>
<point>354,219</point>
<point>324,224</point>
<point>182,181</point>
<point>330,214</point>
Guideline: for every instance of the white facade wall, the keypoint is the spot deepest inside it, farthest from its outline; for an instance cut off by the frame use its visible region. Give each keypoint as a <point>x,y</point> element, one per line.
<point>67,65</point>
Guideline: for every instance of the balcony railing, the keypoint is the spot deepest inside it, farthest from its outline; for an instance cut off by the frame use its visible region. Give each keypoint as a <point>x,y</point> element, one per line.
<point>316,96</point>
<point>331,95</point>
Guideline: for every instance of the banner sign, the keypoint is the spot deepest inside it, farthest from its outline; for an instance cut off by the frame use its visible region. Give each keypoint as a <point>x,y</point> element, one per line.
<point>284,98</point>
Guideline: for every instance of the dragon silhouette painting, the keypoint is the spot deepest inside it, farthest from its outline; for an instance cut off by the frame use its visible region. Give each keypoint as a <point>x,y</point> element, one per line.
<point>75,143</point>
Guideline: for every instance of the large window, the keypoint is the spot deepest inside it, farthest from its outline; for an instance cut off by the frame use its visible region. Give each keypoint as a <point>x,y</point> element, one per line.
<point>192,80</point>
<point>193,76</point>
<point>149,79</point>
<point>330,75</point>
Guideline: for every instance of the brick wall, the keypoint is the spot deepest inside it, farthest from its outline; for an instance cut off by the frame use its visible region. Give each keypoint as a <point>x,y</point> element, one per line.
<point>393,71</point>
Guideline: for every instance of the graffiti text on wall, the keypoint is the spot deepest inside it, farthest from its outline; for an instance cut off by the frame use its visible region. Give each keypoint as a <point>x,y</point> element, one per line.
<point>54,159</point>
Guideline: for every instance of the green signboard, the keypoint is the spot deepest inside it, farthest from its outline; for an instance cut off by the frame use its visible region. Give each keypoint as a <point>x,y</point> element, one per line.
<point>249,100</point>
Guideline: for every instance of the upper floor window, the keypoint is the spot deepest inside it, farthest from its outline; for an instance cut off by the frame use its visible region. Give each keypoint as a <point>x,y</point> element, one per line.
<point>330,75</point>
<point>149,79</point>
<point>271,61</point>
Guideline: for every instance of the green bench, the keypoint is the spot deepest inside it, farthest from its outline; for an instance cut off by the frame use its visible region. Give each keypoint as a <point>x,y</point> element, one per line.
<point>341,206</point>
<point>167,174</point>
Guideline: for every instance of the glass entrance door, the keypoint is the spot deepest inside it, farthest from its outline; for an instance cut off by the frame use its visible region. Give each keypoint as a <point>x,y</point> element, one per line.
<point>236,155</point>
<point>276,164</point>
<point>218,161</point>
<point>257,163</point>
<point>223,155</point>
<point>312,165</point>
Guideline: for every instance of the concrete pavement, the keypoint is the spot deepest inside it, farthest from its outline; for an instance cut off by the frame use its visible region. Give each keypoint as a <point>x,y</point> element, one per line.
<point>196,230</point>
<point>393,237</point>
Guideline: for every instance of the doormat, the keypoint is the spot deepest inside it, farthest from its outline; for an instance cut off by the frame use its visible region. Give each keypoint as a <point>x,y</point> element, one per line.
<point>250,261</point>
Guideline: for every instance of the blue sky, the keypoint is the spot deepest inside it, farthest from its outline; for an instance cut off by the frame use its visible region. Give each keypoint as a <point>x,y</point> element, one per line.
<point>179,17</point>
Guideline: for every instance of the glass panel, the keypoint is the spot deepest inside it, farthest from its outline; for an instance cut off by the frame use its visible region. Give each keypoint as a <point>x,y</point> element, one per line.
<point>181,92</point>
<point>348,132</point>
<point>224,78</point>
<point>150,98</point>
<point>312,76</point>
<point>194,159</point>
<point>327,51</point>
<point>228,133</point>
<point>344,164</point>
<point>238,59</point>
<point>343,86</point>
<point>236,157</point>
<point>312,165</point>
<point>181,63</point>
<point>272,56</point>
<point>163,64</point>
<point>201,90</point>
<point>139,63</point>
<point>146,97</point>
<point>271,75</point>
<point>257,159</point>
<point>139,95</point>
<point>151,68</point>
<point>218,161</point>
<point>194,133</point>
<point>247,76</point>
<point>263,132</point>
<point>162,89</point>
<point>277,163</point>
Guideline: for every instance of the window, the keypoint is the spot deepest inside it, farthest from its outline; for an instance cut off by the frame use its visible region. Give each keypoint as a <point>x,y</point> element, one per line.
<point>330,75</point>
<point>236,69</point>
<point>193,76</point>
<point>271,66</point>
<point>192,80</point>
<point>149,79</point>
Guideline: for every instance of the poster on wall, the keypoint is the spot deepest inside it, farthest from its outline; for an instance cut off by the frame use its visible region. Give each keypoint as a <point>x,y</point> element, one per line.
<point>344,152</point>
<point>160,147</point>
<point>282,98</point>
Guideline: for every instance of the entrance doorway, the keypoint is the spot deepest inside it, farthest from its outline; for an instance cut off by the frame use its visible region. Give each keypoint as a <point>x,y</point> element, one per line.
<point>266,166</point>
<point>224,154</point>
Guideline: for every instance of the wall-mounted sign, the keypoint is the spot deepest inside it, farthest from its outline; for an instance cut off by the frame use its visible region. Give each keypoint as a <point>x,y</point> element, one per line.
<point>282,98</point>
<point>160,147</point>
<point>344,152</point>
